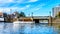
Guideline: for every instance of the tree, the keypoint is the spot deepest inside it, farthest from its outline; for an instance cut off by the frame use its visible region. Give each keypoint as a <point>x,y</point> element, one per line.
<point>58,15</point>
<point>4,14</point>
<point>22,14</point>
<point>17,14</point>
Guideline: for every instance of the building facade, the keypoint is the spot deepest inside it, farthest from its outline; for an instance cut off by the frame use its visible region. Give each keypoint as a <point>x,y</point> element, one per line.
<point>1,16</point>
<point>55,10</point>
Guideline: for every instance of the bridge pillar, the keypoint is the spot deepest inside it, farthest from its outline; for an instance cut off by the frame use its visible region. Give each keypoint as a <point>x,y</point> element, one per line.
<point>50,20</point>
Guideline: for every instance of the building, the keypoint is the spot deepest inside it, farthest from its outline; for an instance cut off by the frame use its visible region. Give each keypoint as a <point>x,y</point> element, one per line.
<point>35,19</point>
<point>55,10</point>
<point>15,14</point>
<point>1,16</point>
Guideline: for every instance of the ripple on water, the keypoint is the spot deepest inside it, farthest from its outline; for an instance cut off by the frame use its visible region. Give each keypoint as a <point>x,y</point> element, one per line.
<point>10,28</point>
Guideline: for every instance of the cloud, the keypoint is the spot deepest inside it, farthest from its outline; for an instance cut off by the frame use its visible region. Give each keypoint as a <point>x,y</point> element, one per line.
<point>37,7</point>
<point>5,9</point>
<point>10,0</point>
<point>6,5</point>
<point>17,1</point>
<point>27,6</point>
<point>33,0</point>
<point>13,1</point>
<point>6,1</point>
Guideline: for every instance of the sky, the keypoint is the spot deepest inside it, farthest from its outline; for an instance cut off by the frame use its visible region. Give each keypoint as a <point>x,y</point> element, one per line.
<point>38,7</point>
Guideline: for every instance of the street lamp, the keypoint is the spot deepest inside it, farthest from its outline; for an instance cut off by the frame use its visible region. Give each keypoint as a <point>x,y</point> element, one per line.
<point>50,13</point>
<point>10,11</point>
<point>50,18</point>
<point>32,15</point>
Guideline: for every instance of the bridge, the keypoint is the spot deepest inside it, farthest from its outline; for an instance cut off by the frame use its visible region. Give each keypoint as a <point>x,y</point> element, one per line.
<point>42,19</point>
<point>36,19</point>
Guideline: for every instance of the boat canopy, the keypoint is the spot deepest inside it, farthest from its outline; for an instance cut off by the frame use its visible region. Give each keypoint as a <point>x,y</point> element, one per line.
<point>25,19</point>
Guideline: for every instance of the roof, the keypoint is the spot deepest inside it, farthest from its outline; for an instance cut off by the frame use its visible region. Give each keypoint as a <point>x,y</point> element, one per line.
<point>25,19</point>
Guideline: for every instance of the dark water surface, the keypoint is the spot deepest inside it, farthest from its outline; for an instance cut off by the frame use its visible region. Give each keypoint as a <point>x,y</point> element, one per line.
<point>11,28</point>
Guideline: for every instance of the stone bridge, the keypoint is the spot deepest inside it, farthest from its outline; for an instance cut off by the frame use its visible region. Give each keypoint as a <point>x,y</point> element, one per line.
<point>42,19</point>
<point>39,19</point>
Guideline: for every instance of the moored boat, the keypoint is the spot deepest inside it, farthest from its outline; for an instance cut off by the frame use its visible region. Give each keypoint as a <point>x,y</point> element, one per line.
<point>24,20</point>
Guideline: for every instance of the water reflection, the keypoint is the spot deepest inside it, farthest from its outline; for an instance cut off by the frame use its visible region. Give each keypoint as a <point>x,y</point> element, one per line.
<point>10,28</point>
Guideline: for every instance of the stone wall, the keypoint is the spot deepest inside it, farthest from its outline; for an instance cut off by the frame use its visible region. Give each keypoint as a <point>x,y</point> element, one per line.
<point>56,20</point>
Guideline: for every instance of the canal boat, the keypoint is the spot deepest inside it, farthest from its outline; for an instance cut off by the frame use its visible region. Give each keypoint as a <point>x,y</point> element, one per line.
<point>24,20</point>
<point>21,22</point>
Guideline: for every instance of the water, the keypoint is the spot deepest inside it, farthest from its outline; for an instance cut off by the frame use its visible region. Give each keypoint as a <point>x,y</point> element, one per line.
<point>10,28</point>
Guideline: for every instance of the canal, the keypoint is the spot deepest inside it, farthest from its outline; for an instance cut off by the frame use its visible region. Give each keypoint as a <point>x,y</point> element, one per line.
<point>10,28</point>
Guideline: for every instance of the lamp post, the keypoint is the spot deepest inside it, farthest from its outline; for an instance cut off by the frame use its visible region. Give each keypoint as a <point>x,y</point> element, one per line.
<point>50,20</point>
<point>10,11</point>
<point>50,13</point>
<point>32,14</point>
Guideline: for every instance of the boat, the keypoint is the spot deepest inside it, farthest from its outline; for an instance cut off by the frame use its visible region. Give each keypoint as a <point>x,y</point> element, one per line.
<point>1,19</point>
<point>21,22</point>
<point>24,20</point>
